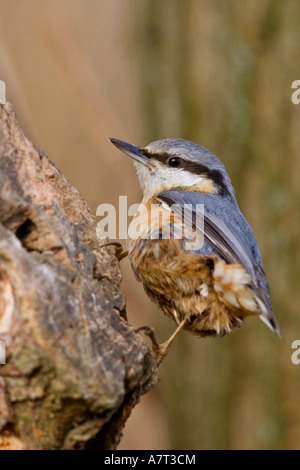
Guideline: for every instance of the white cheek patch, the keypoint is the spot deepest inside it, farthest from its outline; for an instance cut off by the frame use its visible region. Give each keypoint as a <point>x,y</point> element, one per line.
<point>162,178</point>
<point>185,178</point>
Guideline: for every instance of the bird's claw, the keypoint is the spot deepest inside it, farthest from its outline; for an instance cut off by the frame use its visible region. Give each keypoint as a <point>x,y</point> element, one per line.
<point>120,253</point>
<point>159,350</point>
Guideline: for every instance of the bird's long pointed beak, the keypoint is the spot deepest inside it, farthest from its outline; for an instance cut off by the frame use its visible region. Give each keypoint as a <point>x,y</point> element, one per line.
<point>131,150</point>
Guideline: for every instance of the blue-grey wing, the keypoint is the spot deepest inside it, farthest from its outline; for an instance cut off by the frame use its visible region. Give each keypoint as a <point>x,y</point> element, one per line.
<point>227,234</point>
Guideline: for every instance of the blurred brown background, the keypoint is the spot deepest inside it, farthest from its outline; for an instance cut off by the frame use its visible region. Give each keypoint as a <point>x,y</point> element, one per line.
<point>218,73</point>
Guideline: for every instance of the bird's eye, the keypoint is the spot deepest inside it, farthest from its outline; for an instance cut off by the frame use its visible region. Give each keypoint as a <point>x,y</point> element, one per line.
<point>174,162</point>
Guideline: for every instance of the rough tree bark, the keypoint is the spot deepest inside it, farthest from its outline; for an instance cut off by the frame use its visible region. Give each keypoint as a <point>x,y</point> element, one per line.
<point>75,368</point>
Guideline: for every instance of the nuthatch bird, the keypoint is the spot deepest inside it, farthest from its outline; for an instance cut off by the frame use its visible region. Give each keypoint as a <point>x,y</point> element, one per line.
<point>207,291</point>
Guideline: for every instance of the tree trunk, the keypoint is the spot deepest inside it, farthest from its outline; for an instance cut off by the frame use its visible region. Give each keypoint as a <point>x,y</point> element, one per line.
<point>74,367</point>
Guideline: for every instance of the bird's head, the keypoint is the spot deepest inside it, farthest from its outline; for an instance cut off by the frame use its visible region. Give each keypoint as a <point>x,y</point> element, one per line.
<point>170,164</point>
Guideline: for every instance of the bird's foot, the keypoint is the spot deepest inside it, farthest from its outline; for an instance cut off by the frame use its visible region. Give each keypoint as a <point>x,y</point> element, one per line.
<point>161,350</point>
<point>158,349</point>
<point>120,253</point>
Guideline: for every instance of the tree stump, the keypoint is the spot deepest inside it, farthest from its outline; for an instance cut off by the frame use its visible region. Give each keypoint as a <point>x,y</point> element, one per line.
<point>74,367</point>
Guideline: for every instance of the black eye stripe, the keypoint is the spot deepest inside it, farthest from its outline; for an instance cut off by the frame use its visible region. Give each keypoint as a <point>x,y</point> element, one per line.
<point>193,167</point>
<point>161,157</point>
